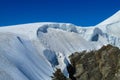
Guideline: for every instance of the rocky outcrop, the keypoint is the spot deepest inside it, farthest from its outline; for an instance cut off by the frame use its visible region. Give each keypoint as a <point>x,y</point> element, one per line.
<point>58,75</point>
<point>103,64</point>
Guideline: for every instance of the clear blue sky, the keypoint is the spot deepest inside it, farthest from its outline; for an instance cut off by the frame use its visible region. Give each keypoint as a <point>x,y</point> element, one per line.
<point>79,12</point>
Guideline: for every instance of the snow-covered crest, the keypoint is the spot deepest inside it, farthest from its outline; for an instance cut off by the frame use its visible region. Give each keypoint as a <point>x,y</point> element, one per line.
<point>114,18</point>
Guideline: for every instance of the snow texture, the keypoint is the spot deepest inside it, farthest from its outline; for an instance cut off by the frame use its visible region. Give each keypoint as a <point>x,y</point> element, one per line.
<point>34,51</point>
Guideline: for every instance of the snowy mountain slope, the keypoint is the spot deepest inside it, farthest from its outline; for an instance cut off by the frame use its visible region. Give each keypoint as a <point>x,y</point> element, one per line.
<point>33,51</point>
<point>111,29</point>
<point>23,58</point>
<point>107,32</point>
<point>113,19</point>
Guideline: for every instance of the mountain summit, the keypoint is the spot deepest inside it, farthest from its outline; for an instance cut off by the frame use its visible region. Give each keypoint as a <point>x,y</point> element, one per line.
<point>112,19</point>
<point>34,51</point>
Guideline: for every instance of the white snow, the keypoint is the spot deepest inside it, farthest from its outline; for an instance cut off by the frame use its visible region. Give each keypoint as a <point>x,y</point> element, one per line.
<point>33,48</point>
<point>33,51</point>
<point>112,19</point>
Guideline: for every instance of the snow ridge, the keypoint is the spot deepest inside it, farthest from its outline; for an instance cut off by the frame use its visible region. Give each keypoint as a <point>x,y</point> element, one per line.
<point>112,19</point>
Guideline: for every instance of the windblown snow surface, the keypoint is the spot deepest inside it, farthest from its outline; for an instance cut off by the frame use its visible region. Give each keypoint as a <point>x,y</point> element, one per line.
<point>34,51</point>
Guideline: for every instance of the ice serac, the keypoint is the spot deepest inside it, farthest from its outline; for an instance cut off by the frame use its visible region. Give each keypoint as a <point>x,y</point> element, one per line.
<point>34,51</point>
<point>107,32</point>
<point>111,28</point>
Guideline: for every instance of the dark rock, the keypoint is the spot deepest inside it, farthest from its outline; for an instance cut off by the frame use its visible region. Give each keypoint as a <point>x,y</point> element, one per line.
<point>103,64</point>
<point>58,75</point>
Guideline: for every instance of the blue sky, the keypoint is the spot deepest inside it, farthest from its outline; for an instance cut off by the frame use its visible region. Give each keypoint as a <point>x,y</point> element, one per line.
<point>78,12</point>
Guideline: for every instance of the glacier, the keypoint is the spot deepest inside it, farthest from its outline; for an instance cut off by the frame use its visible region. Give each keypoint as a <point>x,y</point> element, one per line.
<point>33,51</point>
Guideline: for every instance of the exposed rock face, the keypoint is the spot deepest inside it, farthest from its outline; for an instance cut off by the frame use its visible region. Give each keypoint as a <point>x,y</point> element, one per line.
<point>103,64</point>
<point>58,75</point>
